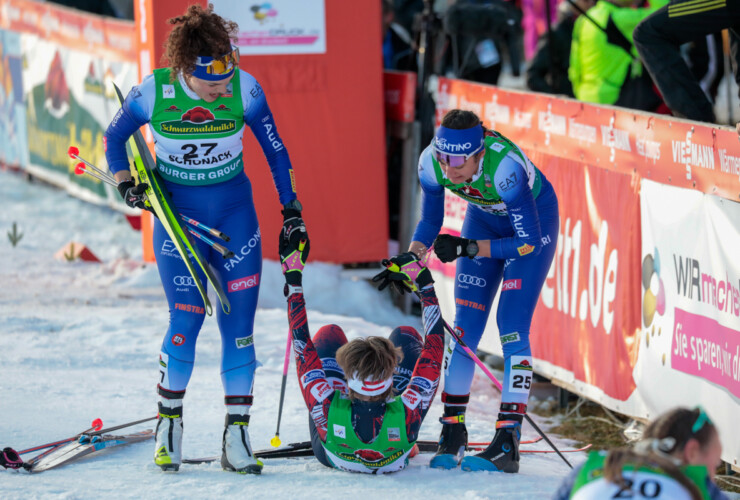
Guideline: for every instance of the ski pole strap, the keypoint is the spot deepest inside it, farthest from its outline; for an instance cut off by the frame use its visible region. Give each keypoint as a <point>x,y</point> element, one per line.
<point>238,400</point>
<point>10,459</point>
<point>166,393</point>
<point>513,408</point>
<point>507,423</point>
<point>453,419</point>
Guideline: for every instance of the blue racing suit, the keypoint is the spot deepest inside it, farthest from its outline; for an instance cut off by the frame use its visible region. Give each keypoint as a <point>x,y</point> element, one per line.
<point>514,206</point>
<point>219,197</point>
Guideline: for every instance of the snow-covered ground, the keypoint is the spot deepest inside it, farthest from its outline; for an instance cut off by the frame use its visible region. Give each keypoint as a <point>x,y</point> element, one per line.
<point>80,341</point>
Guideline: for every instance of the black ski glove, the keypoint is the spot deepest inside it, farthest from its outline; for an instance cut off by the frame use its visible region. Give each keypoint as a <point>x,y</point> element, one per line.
<point>133,194</point>
<point>10,459</point>
<point>405,273</point>
<point>294,229</point>
<point>449,248</point>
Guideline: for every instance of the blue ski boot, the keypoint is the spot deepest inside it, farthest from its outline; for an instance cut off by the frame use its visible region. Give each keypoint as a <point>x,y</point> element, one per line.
<point>503,452</point>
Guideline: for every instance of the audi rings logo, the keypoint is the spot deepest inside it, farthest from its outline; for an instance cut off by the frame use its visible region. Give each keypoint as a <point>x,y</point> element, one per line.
<point>471,280</point>
<point>183,281</point>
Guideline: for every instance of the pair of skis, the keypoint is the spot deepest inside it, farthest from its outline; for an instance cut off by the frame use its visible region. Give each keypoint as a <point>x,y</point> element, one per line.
<point>165,210</point>
<point>80,445</point>
<point>303,449</point>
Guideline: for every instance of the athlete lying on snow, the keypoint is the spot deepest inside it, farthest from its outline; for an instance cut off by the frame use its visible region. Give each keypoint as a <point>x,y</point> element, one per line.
<point>356,422</point>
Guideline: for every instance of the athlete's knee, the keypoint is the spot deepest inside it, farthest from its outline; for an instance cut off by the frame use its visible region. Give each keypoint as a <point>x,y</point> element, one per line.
<point>328,339</point>
<point>405,334</point>
<point>186,318</point>
<point>515,343</point>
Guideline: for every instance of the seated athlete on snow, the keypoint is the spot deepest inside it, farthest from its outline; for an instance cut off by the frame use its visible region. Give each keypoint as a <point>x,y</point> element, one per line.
<point>356,420</point>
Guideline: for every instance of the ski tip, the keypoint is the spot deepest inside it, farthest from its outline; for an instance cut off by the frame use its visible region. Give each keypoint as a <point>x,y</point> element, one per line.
<point>73,151</point>
<point>275,442</point>
<point>80,168</point>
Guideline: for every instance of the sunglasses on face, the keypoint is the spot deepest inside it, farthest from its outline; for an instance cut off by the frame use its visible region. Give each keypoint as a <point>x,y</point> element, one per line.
<point>453,161</point>
<point>224,64</point>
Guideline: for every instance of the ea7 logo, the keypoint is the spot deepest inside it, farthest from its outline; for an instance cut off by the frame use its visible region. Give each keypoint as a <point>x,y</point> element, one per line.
<point>243,342</point>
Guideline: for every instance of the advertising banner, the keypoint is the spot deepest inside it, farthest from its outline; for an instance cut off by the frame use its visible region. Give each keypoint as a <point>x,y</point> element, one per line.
<point>277,26</point>
<point>70,101</point>
<point>13,137</point>
<point>690,291</point>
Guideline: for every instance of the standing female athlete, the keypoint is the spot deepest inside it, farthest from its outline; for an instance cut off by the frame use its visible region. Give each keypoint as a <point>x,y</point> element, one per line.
<point>509,235</point>
<point>197,109</point>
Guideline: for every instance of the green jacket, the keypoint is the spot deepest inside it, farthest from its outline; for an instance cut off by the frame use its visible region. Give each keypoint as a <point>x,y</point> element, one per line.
<point>600,64</point>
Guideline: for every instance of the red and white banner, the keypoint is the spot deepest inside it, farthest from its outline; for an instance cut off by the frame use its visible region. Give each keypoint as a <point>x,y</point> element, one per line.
<point>689,343</point>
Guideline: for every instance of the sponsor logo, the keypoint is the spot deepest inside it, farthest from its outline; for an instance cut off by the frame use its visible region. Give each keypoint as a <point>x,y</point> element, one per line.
<point>522,119</point>
<point>411,399</point>
<point>162,363</point>
<point>243,342</point>
<point>311,376</point>
<point>299,346</point>
<point>169,250</point>
<point>321,390</point>
<point>243,283</point>
<point>183,281</point>
<point>197,120</point>
<point>525,249</point>
<point>510,337</point>
<point>371,458</point>
<point>513,284</point>
<point>517,224</point>
<point>317,414</point>
<point>648,149</point>
<point>277,145</point>
<point>255,91</point>
<point>471,280</point>
<point>496,113</point>
<point>581,132</point>
<point>190,308</point>
<point>524,364</point>
<point>424,384</point>
<point>728,163</point>
<point>508,182</point>
<point>253,243</point>
<point>222,107</point>
<point>614,138</point>
<point>331,364</point>
<point>394,434</point>
<point>451,147</point>
<point>546,240</point>
<point>471,304</point>
<point>340,431</point>
<point>403,371</point>
<point>691,154</point>
<point>168,91</point>
<point>173,109</point>
<point>178,339</point>
<point>292,179</point>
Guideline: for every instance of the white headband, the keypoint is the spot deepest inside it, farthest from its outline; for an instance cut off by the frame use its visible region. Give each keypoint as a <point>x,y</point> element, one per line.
<point>369,387</point>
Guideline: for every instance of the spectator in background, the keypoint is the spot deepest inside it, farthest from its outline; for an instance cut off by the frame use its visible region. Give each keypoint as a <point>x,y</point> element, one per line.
<point>398,50</point>
<point>676,459</point>
<point>604,67</point>
<point>659,37</point>
<point>548,69</point>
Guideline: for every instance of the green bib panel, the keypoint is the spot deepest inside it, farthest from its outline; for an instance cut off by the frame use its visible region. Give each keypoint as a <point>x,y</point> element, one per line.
<point>387,453</point>
<point>482,191</point>
<point>197,143</point>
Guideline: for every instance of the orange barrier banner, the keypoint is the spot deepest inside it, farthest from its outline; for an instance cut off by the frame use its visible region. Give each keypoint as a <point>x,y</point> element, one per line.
<point>70,28</point>
<point>663,149</point>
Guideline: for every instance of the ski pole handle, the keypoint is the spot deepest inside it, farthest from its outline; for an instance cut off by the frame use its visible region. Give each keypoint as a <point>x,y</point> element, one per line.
<point>74,153</point>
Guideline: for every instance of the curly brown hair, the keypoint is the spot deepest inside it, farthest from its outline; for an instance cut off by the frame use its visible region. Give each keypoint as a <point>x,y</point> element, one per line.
<point>199,32</point>
<point>370,357</point>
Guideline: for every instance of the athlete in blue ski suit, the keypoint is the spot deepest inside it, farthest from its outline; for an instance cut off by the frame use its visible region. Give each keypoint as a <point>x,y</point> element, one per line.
<point>508,238</point>
<point>198,119</point>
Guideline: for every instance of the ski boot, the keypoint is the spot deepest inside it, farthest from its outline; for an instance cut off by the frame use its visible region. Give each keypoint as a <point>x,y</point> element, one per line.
<point>503,452</point>
<point>168,436</point>
<point>236,449</point>
<point>454,437</point>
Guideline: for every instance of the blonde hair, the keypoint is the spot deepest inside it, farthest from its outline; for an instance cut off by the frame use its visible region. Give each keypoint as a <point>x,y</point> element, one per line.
<point>370,358</point>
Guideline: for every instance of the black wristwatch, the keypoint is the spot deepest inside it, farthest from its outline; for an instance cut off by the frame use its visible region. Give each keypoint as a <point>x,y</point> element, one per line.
<point>472,249</point>
<point>293,205</point>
